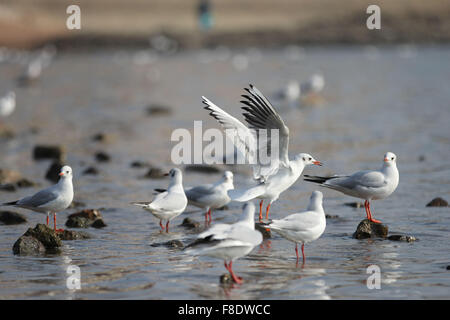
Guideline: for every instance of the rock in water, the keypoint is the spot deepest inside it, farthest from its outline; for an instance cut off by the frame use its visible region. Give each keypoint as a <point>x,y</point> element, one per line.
<point>26,245</point>
<point>47,236</point>
<point>190,223</point>
<point>437,202</point>
<point>401,237</point>
<point>367,229</point>
<point>73,235</point>
<point>48,152</point>
<point>39,240</point>
<point>85,218</point>
<point>9,218</point>
<point>261,227</point>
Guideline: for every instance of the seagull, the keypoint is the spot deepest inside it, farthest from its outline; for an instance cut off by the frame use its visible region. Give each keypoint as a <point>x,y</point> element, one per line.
<point>280,173</point>
<point>367,185</point>
<point>169,204</point>
<point>314,85</point>
<point>229,241</point>
<point>302,227</point>
<point>50,200</point>
<point>7,104</point>
<point>211,196</point>
<point>290,93</point>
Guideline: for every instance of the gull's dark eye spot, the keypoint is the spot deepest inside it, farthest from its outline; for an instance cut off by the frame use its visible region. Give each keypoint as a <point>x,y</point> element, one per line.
<point>304,159</point>
<point>392,158</point>
<point>309,158</point>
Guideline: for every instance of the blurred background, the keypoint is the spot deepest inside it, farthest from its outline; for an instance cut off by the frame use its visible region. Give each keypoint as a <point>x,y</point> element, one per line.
<point>27,23</point>
<point>105,99</point>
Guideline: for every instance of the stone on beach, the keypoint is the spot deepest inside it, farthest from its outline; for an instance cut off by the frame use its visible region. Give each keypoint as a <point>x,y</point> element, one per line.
<point>102,157</point>
<point>202,168</point>
<point>41,239</point>
<point>158,110</point>
<point>261,227</point>
<point>41,152</point>
<point>11,180</point>
<point>73,235</point>
<point>154,173</point>
<point>10,218</point>
<point>367,229</point>
<point>190,223</point>
<point>438,202</point>
<point>401,237</point>
<point>85,219</point>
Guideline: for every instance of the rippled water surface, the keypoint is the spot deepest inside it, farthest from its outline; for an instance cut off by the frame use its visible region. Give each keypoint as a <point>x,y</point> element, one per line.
<point>375,100</point>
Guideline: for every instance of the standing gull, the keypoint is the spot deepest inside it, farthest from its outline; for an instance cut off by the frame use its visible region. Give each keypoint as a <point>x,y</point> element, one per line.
<point>211,196</point>
<point>367,185</point>
<point>229,241</point>
<point>279,173</point>
<point>169,204</point>
<point>302,227</point>
<point>7,104</point>
<point>50,200</point>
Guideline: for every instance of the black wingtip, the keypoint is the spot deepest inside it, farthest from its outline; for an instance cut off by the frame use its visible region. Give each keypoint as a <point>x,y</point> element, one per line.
<point>9,203</point>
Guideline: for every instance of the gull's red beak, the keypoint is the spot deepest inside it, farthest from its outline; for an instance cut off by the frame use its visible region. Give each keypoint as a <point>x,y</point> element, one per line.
<point>317,163</point>
<point>61,174</point>
<point>166,174</point>
<point>386,159</point>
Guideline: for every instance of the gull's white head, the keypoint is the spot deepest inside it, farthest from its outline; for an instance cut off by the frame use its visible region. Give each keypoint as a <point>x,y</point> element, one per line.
<point>390,159</point>
<point>248,214</point>
<point>307,159</point>
<point>315,201</point>
<point>175,176</point>
<point>66,172</point>
<point>228,177</point>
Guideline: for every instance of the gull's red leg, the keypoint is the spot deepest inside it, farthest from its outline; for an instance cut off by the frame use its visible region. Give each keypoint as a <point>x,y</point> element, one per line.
<point>54,224</point>
<point>160,224</point>
<point>167,226</point>
<point>267,211</point>
<point>48,219</point>
<point>370,213</point>
<point>236,279</point>
<point>209,215</point>
<point>303,253</point>
<point>367,210</point>
<point>296,252</point>
<point>260,210</point>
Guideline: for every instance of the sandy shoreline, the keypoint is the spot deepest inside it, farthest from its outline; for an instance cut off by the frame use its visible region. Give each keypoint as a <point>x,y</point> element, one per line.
<point>24,24</point>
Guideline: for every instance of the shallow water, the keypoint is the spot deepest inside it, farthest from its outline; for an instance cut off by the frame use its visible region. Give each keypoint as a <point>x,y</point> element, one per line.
<point>375,100</point>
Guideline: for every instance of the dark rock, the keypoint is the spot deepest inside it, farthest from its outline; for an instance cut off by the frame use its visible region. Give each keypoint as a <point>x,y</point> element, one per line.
<point>437,202</point>
<point>448,267</point>
<point>102,157</point>
<point>77,204</point>
<point>367,229</point>
<point>174,244</point>
<point>85,219</point>
<point>422,158</point>
<point>354,204</point>
<point>400,237</point>
<point>226,279</point>
<point>10,218</point>
<point>261,227</point>
<point>27,245</point>
<point>329,216</point>
<point>48,152</point>
<point>190,223</point>
<point>90,171</point>
<point>47,236</point>
<point>8,187</point>
<point>53,171</point>
<point>202,168</point>
<point>158,110</point>
<point>154,173</point>
<point>140,164</point>
<point>99,223</point>
<point>73,235</point>
<point>25,183</point>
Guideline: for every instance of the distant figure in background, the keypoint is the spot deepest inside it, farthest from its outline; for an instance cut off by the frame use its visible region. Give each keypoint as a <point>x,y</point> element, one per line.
<point>310,90</point>
<point>7,104</point>
<point>290,94</point>
<point>204,15</point>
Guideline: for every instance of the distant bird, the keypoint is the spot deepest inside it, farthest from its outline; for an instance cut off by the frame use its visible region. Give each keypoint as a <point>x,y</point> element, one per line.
<point>168,204</point>
<point>314,85</point>
<point>229,241</point>
<point>278,173</point>
<point>290,93</point>
<point>367,185</point>
<point>50,200</point>
<point>302,227</point>
<point>211,196</point>
<point>37,64</point>
<point>7,104</point>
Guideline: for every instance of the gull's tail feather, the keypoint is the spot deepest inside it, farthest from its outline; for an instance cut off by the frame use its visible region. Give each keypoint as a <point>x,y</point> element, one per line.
<point>141,204</point>
<point>13,203</point>
<point>243,195</point>
<point>317,179</point>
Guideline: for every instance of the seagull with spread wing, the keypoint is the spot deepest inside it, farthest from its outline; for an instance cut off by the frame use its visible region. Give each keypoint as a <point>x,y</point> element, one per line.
<point>278,174</point>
